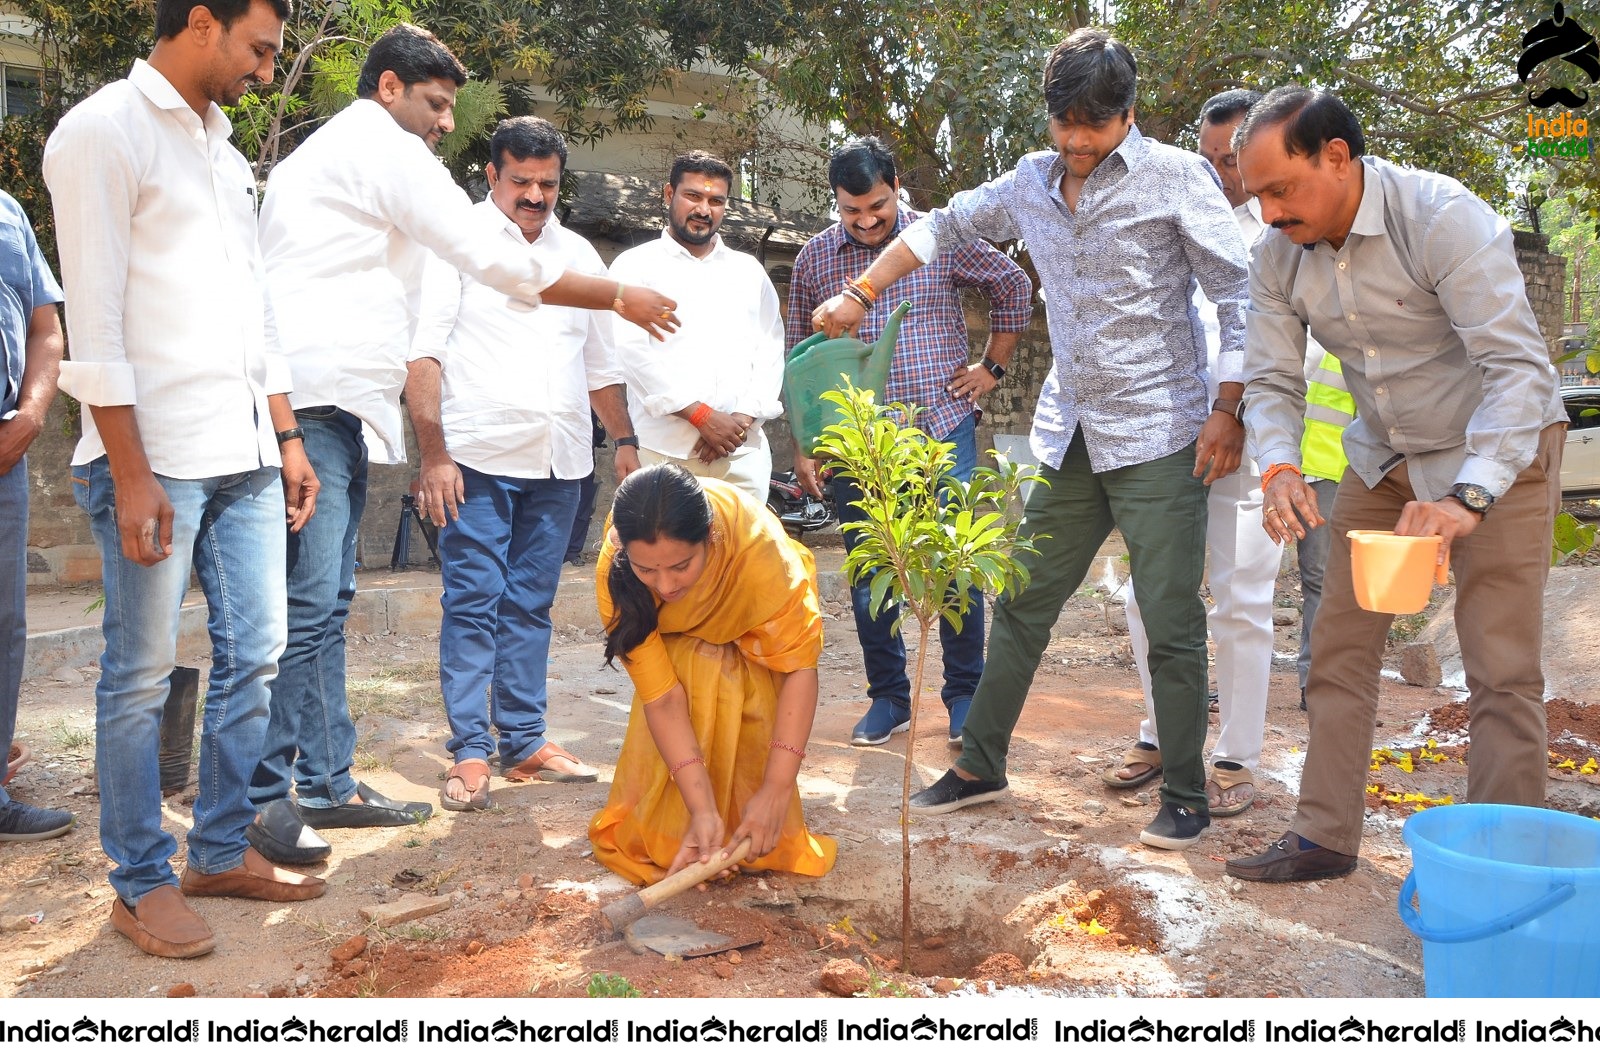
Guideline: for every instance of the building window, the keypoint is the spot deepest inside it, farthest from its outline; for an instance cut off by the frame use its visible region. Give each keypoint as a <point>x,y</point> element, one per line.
<point>19,89</point>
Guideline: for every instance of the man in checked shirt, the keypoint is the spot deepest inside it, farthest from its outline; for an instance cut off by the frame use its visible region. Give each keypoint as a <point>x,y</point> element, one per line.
<point>1120,228</point>
<point>930,371</point>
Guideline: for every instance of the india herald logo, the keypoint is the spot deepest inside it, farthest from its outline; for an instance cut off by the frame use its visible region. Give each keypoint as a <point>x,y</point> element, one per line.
<point>1558,38</point>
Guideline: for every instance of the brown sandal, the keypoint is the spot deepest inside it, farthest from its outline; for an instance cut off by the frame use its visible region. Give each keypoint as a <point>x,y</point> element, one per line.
<point>1221,783</point>
<point>551,763</point>
<point>1140,754</point>
<point>474,776</point>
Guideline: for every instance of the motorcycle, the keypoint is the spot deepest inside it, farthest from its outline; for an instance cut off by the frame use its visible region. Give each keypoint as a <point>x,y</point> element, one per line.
<point>796,509</point>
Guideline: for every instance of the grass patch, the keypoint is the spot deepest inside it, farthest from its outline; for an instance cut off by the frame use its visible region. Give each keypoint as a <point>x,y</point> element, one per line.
<point>70,738</point>
<point>396,692</point>
<point>601,985</point>
<point>414,932</point>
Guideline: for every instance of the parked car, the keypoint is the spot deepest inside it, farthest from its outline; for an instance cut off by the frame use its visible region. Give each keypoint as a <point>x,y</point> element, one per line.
<point>1580,466</point>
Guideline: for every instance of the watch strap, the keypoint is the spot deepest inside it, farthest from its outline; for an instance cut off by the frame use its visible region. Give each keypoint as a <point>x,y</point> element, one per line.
<point>993,368</point>
<point>628,439</point>
<point>285,437</point>
<point>1229,407</point>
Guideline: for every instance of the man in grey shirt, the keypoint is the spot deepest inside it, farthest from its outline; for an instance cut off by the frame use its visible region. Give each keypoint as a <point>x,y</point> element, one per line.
<point>1120,228</point>
<point>1411,281</point>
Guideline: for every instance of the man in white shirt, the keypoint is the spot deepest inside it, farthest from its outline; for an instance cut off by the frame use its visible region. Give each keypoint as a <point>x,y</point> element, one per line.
<point>698,397</point>
<point>504,451</point>
<point>178,467</point>
<point>1242,567</point>
<point>345,227</point>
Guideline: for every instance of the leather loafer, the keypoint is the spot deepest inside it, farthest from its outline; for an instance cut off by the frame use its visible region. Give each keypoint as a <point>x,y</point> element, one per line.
<point>280,836</point>
<point>373,811</point>
<point>256,878</point>
<point>163,925</point>
<point>1285,862</point>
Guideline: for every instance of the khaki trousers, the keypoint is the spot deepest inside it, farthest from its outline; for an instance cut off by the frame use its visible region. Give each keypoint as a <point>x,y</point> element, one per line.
<point>1500,571</point>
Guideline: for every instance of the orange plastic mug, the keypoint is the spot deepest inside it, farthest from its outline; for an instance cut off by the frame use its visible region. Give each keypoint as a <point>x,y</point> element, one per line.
<point>1394,575</point>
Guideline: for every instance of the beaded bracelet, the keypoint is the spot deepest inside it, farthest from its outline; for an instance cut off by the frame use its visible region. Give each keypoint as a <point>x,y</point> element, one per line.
<point>865,286</point>
<point>701,413</point>
<point>1274,471</point>
<point>785,747</point>
<point>673,772</point>
<point>861,294</point>
<point>857,297</point>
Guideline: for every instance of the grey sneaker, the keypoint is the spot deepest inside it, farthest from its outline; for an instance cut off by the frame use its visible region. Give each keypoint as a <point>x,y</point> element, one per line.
<point>22,823</point>
<point>1175,827</point>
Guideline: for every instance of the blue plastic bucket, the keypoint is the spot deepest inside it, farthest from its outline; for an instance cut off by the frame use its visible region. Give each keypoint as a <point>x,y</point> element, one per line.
<point>1509,901</point>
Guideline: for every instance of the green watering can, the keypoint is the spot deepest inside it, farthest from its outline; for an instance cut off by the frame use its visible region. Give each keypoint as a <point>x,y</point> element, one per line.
<point>815,366</point>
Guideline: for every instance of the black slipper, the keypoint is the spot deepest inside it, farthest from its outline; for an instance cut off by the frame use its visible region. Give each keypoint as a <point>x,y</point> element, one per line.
<point>279,835</point>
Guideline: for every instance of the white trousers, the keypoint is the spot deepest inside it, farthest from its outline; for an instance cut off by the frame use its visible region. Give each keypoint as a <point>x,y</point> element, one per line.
<point>1242,571</point>
<point>749,467</point>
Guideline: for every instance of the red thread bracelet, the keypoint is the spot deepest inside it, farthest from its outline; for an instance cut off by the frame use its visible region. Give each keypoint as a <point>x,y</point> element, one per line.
<point>1274,471</point>
<point>701,413</point>
<point>792,750</point>
<point>673,772</point>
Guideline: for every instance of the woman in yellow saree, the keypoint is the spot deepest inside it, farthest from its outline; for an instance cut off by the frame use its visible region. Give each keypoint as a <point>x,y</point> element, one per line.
<point>713,611</point>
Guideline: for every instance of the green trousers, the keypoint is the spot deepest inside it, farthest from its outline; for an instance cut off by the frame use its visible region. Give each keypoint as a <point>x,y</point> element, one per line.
<point>1160,507</point>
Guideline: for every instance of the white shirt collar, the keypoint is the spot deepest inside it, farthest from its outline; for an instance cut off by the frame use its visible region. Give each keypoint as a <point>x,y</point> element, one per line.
<point>672,245</point>
<point>155,87</point>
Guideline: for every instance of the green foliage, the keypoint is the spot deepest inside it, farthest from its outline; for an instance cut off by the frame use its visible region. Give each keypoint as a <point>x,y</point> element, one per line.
<point>926,537</point>
<point>953,88</point>
<point>1572,538</point>
<point>602,985</point>
<point>1434,83</point>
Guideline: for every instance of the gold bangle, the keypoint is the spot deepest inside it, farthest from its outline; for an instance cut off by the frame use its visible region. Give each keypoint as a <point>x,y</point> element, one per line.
<point>616,303</point>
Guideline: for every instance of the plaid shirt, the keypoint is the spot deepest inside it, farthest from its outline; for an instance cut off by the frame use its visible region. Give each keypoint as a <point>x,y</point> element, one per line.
<point>933,336</point>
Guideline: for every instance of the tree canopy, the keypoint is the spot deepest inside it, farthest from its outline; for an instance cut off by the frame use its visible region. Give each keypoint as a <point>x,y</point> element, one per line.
<point>954,88</point>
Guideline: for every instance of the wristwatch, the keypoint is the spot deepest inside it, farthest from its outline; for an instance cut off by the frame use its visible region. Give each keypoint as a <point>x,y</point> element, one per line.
<point>996,370</point>
<point>1476,498</point>
<point>1229,406</point>
<point>285,437</point>
<point>628,439</point>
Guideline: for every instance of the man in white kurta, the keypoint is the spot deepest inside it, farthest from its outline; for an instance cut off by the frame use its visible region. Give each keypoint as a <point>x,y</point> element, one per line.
<point>698,397</point>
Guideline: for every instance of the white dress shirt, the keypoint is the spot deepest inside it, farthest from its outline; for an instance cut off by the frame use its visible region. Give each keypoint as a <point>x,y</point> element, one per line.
<point>156,223</point>
<point>1226,367</point>
<point>345,227</point>
<point>728,353</point>
<point>516,384</point>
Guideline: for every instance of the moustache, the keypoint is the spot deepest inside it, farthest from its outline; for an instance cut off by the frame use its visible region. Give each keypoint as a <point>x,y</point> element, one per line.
<point>1560,94</point>
<point>524,204</point>
<point>1284,222</point>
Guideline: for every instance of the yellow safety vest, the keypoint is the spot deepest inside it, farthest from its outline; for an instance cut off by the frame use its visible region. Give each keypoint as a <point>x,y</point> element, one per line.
<point>1329,410</point>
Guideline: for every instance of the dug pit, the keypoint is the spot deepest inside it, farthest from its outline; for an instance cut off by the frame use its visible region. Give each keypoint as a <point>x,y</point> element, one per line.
<point>1025,912</point>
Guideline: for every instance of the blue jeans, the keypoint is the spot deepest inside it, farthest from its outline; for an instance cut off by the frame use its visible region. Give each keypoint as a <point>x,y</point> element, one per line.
<point>501,563</point>
<point>229,530</point>
<point>582,516</point>
<point>13,599</point>
<point>311,739</point>
<point>883,650</point>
